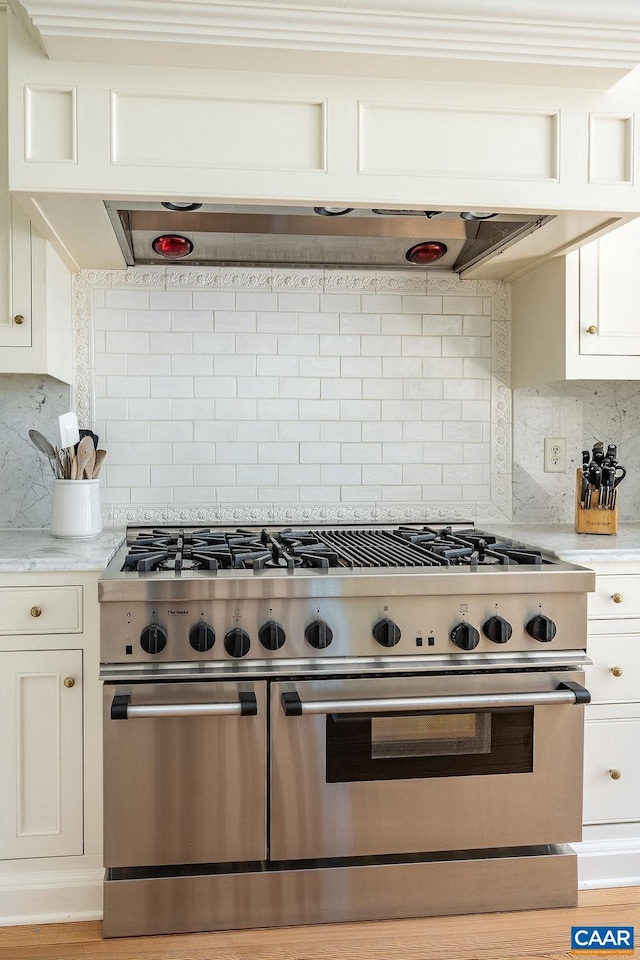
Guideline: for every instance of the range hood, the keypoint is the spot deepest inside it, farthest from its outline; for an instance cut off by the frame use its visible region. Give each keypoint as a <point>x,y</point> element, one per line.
<point>313,237</point>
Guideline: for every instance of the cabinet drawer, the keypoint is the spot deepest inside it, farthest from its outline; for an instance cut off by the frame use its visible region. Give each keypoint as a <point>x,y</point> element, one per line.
<point>625,590</point>
<point>614,676</point>
<point>29,610</point>
<point>611,746</point>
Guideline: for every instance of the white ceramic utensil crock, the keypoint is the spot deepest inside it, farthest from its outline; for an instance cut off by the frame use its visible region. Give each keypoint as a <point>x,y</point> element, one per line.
<point>75,509</point>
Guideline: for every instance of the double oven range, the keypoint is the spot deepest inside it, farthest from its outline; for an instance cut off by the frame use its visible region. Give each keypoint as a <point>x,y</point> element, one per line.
<point>315,725</point>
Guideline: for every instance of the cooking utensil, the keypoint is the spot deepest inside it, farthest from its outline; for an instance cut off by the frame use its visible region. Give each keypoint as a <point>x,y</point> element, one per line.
<point>85,453</point>
<point>100,455</point>
<point>41,443</point>
<point>69,432</point>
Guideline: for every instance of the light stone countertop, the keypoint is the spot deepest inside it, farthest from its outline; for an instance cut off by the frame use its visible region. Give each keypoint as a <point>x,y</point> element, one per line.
<point>38,551</point>
<point>562,540</point>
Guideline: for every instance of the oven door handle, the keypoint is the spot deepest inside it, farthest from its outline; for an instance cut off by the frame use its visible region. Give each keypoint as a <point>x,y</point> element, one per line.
<point>123,709</point>
<point>566,692</point>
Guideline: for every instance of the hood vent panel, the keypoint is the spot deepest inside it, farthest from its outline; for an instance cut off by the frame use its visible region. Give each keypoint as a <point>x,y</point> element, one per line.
<point>237,235</point>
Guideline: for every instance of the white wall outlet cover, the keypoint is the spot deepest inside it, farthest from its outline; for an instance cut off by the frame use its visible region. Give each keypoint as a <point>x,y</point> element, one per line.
<point>555,455</point>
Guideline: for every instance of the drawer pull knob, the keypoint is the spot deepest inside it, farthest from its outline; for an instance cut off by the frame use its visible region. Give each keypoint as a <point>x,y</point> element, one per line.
<point>592,330</point>
<point>18,319</point>
<point>615,774</point>
<point>617,598</point>
<point>616,671</point>
<point>69,682</point>
<point>36,611</point>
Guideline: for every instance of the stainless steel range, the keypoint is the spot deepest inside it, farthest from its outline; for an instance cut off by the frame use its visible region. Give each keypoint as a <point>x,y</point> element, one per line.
<point>304,726</point>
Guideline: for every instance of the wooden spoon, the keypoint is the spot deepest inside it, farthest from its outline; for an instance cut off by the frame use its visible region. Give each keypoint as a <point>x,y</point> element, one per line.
<point>84,453</point>
<point>91,462</point>
<point>100,455</point>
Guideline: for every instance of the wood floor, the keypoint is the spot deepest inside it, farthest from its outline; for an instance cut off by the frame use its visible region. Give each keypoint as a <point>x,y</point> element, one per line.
<point>527,935</point>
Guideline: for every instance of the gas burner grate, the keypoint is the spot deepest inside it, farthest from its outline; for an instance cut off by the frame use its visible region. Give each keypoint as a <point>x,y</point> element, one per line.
<point>407,546</point>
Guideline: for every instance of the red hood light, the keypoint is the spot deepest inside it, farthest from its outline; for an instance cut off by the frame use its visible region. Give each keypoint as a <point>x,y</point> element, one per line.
<point>426,252</point>
<point>172,246</point>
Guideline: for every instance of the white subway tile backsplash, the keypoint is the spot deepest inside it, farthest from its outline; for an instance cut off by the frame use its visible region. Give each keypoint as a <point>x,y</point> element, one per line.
<point>299,302</point>
<point>193,321</point>
<point>170,300</point>
<point>300,387</point>
<point>235,397</point>
<point>180,430</point>
<point>277,366</point>
<point>360,323</point>
<point>215,386</point>
<point>126,386</point>
<point>127,299</point>
<point>237,409</point>
<point>147,453</point>
<point>297,430</point>
<point>438,326</point>
<point>336,431</point>
<point>359,367</point>
<point>463,305</point>
<point>340,345</point>
<point>361,453</point>
<point>171,386</point>
<point>277,323</point>
<point>205,300</point>
<point>190,365</point>
<point>395,324</point>
<point>235,321</point>
<point>318,323</point>
<point>153,365</point>
<point>298,345</point>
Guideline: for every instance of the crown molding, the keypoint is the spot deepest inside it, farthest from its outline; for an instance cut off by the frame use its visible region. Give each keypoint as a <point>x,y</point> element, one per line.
<point>567,42</point>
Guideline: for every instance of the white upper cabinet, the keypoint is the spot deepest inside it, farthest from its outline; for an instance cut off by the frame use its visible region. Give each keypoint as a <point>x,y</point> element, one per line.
<point>578,317</point>
<point>35,286</point>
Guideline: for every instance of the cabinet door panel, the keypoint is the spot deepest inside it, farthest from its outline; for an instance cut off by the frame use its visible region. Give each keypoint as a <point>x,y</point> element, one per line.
<point>615,596</point>
<point>41,721</point>
<point>40,610</point>
<point>614,676</point>
<point>611,747</point>
<point>608,297</point>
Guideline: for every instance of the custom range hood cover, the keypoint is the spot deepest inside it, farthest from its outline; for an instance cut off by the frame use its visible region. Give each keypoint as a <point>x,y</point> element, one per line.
<point>336,237</point>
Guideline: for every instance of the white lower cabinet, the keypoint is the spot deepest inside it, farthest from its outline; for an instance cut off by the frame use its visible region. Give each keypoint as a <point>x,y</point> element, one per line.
<point>50,748</point>
<point>41,721</point>
<point>610,852</point>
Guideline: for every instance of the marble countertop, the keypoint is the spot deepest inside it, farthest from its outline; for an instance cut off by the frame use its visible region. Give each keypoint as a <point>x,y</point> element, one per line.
<point>562,540</point>
<point>37,550</point>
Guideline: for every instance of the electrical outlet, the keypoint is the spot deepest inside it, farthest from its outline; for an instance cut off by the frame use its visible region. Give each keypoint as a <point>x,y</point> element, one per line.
<point>555,455</point>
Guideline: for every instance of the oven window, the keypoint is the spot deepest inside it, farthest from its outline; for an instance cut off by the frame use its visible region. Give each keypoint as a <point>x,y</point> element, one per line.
<point>392,747</point>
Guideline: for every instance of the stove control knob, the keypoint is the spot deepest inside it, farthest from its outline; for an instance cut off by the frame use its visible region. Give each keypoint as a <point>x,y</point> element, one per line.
<point>202,637</point>
<point>497,629</point>
<point>271,635</point>
<point>386,632</point>
<point>541,628</point>
<point>153,638</point>
<point>237,642</point>
<point>318,634</point>
<point>465,636</point>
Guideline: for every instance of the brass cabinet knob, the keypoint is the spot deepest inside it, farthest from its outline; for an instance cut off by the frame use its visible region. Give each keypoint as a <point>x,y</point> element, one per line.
<point>617,598</point>
<point>18,319</point>
<point>592,330</point>
<point>615,774</point>
<point>69,682</point>
<point>616,671</point>
<point>36,611</point>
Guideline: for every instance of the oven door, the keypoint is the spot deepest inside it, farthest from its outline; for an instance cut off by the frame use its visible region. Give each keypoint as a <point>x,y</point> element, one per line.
<point>184,773</point>
<point>362,767</point>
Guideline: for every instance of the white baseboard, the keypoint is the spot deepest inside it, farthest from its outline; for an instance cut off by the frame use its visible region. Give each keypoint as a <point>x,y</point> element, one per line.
<point>51,897</point>
<point>608,863</point>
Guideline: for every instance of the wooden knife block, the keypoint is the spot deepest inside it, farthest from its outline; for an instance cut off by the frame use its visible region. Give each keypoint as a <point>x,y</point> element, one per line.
<point>594,520</point>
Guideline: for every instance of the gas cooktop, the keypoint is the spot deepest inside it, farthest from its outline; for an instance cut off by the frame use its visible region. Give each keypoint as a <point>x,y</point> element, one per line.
<point>175,551</point>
